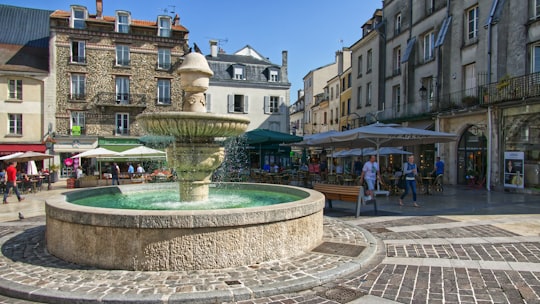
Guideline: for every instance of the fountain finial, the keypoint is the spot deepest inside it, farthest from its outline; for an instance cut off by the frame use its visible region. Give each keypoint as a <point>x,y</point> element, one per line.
<point>194,77</point>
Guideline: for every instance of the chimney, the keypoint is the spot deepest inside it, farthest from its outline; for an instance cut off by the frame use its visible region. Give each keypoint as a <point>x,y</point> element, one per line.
<point>176,20</point>
<point>284,66</point>
<point>99,9</point>
<point>339,61</point>
<point>213,48</point>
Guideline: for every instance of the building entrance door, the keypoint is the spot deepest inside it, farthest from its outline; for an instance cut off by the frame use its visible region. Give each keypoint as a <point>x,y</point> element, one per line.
<point>472,152</point>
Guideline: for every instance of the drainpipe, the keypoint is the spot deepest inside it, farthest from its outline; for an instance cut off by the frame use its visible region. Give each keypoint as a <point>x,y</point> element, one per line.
<point>490,130</point>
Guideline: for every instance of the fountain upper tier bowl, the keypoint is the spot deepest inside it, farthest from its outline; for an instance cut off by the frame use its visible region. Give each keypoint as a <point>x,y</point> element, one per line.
<point>193,125</point>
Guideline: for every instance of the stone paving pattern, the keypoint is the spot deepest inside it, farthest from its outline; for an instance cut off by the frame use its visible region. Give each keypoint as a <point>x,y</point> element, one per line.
<point>477,248</point>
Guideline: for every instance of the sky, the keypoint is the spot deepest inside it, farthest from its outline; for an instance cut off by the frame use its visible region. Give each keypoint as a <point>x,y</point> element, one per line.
<point>311,31</point>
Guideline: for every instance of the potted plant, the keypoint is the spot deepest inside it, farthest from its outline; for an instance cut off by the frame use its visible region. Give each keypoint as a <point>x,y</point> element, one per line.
<point>53,172</point>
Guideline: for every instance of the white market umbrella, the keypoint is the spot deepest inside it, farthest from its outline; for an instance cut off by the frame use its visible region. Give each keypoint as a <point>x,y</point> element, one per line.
<point>96,153</point>
<point>7,157</point>
<point>31,168</point>
<point>142,152</point>
<point>28,156</point>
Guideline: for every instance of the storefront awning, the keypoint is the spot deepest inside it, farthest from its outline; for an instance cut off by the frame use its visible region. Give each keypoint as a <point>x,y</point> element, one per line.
<point>6,149</point>
<point>119,148</point>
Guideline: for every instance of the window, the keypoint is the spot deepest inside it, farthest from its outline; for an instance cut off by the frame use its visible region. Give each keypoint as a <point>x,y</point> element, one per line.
<point>78,123</point>
<point>122,124</point>
<point>122,22</point>
<point>470,79</point>
<point>15,89</point>
<point>369,88</point>
<point>397,24</point>
<point>238,73</point>
<point>78,90</point>
<point>271,104</point>
<point>122,55</point>
<point>164,59</point>
<point>472,24</point>
<point>396,97</point>
<point>15,124</point>
<point>535,60</point>
<point>428,84</point>
<point>349,81</point>
<point>122,90</point>
<point>331,93</point>
<point>430,6</point>
<point>359,66</point>
<point>369,61</point>
<point>343,86</point>
<point>396,61</point>
<point>534,8</point>
<point>429,41</point>
<point>78,15</point>
<point>237,103</point>
<point>359,97</point>
<point>164,91</point>
<point>164,29</point>
<point>78,51</point>
<point>274,76</point>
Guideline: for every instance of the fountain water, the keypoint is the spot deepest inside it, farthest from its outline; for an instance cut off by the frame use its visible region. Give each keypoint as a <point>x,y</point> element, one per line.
<point>185,239</point>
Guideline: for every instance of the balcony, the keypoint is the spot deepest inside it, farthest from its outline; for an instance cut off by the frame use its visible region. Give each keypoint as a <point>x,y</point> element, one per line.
<point>510,89</point>
<point>121,100</point>
<point>72,97</point>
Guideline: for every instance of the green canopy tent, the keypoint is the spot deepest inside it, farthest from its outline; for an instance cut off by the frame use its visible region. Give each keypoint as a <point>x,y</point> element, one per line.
<point>263,137</point>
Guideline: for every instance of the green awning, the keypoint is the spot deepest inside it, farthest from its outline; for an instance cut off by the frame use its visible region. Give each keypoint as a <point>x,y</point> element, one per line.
<point>118,148</point>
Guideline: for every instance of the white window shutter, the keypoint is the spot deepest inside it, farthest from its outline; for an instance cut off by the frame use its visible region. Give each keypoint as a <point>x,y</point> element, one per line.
<point>281,105</point>
<point>208,103</point>
<point>230,103</point>
<point>266,104</point>
<point>246,103</point>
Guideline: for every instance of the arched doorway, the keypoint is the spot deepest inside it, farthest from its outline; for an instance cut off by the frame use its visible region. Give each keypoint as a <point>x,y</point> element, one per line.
<point>472,154</point>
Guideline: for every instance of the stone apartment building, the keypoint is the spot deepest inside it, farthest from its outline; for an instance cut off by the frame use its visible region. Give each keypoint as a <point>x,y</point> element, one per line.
<point>109,69</point>
<point>24,78</point>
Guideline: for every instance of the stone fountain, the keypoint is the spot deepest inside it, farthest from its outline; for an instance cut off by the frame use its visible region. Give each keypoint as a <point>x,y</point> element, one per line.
<point>195,154</point>
<point>174,240</point>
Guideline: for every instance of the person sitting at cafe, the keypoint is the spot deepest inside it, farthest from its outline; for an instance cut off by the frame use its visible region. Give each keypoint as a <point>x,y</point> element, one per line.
<point>79,172</point>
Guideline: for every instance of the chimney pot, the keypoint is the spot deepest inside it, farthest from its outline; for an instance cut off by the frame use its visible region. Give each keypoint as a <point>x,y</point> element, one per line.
<point>99,9</point>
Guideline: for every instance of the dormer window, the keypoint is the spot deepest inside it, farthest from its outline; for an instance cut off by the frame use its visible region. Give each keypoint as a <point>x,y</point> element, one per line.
<point>238,73</point>
<point>164,26</point>
<point>78,17</point>
<point>273,75</point>
<point>123,20</point>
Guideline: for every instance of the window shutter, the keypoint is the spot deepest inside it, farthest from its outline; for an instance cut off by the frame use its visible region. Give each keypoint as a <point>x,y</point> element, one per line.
<point>281,105</point>
<point>230,103</point>
<point>208,103</point>
<point>266,104</point>
<point>245,104</point>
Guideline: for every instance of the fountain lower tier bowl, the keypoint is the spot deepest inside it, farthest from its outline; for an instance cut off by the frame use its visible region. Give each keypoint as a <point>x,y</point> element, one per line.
<point>193,125</point>
<point>175,240</point>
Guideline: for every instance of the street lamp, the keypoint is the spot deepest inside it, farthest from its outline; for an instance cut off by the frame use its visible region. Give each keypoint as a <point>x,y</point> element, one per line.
<point>423,92</point>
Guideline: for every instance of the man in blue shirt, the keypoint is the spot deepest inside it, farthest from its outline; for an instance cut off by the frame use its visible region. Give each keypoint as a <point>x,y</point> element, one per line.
<point>439,167</point>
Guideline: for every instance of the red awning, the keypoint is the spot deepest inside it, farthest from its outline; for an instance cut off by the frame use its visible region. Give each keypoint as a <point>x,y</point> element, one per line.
<point>6,149</point>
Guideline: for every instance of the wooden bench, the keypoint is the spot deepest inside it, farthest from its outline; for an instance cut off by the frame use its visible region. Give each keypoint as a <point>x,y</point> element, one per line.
<point>353,194</point>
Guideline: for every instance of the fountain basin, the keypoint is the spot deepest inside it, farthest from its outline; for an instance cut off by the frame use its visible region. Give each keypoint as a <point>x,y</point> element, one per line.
<point>178,240</point>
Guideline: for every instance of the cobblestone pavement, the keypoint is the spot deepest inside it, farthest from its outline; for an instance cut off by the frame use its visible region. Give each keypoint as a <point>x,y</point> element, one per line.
<point>473,248</point>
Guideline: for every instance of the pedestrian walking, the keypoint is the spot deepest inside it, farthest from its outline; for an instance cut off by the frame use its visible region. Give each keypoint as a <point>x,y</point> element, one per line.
<point>370,172</point>
<point>410,171</point>
<point>115,172</point>
<point>11,182</point>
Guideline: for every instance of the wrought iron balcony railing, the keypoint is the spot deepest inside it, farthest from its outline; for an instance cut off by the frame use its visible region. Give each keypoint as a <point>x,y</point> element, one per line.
<point>121,99</point>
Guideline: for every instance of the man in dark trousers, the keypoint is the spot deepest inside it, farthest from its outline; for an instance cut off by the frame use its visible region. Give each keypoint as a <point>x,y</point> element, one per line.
<point>11,182</point>
<point>115,171</point>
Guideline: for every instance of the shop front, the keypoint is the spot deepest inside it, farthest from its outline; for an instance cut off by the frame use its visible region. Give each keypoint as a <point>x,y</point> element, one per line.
<point>521,133</point>
<point>66,147</point>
